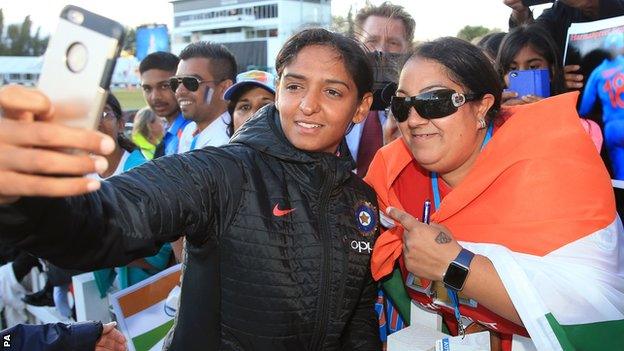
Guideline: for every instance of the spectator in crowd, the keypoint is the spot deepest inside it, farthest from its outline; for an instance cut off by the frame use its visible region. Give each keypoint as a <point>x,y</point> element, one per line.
<point>524,48</point>
<point>156,69</point>
<point>204,73</point>
<point>490,44</point>
<point>84,336</point>
<point>386,28</point>
<point>512,233</point>
<point>557,20</point>
<point>147,131</point>
<point>531,47</point>
<point>125,157</point>
<point>253,90</point>
<point>278,227</point>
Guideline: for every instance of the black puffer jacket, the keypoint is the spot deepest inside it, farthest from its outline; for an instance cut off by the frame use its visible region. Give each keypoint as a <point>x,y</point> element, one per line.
<point>278,240</point>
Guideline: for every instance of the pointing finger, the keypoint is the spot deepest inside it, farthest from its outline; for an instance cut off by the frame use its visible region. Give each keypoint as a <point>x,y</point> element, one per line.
<point>407,221</point>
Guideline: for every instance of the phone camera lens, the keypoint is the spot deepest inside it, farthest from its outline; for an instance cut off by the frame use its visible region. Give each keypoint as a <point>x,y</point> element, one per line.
<point>75,16</point>
<point>514,74</point>
<point>76,57</point>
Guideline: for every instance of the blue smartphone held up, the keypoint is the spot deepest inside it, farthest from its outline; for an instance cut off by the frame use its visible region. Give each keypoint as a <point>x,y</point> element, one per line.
<point>530,82</point>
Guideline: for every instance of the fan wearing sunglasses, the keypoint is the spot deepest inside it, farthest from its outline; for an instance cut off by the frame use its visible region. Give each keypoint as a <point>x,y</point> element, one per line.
<point>512,230</point>
<point>206,70</point>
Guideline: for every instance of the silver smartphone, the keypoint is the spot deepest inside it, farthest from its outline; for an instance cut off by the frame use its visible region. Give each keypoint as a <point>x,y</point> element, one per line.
<point>78,65</point>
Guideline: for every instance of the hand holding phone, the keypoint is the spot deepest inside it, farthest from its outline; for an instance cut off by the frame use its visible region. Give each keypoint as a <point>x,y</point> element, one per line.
<point>534,82</point>
<point>30,160</point>
<point>74,80</point>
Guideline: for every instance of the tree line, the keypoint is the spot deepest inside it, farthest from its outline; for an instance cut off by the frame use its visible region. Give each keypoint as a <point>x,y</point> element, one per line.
<point>18,40</point>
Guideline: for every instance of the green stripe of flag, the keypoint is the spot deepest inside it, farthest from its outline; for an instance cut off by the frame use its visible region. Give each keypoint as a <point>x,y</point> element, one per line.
<point>147,340</point>
<point>607,335</point>
<point>394,286</point>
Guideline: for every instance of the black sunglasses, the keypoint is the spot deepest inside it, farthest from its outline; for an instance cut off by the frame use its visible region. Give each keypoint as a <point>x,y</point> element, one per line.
<point>430,105</point>
<point>190,83</point>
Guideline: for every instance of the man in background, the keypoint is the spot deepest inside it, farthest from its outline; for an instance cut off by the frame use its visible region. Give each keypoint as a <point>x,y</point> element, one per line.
<point>204,73</point>
<point>386,28</point>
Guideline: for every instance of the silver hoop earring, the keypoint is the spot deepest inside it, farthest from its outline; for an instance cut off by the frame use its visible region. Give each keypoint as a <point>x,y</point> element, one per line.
<point>482,123</point>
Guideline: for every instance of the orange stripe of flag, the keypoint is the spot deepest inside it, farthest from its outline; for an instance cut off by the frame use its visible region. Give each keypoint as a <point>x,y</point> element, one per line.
<point>148,295</point>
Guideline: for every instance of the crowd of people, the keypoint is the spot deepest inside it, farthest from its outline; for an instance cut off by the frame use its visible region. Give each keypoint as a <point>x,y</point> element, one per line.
<point>311,211</point>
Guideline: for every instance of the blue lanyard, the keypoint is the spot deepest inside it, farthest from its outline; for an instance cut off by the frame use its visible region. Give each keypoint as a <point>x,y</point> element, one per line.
<point>194,141</point>
<point>436,201</point>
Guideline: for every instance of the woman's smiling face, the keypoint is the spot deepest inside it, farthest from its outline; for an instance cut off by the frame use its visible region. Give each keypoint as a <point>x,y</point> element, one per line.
<point>443,144</point>
<point>317,99</point>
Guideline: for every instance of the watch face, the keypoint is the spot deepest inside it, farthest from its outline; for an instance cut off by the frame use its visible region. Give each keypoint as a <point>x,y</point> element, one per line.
<point>455,276</point>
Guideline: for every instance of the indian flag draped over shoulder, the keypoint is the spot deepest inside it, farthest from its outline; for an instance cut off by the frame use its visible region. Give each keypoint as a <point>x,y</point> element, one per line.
<point>539,204</point>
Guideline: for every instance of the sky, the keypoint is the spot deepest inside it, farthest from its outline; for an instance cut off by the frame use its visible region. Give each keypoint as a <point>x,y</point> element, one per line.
<point>434,18</point>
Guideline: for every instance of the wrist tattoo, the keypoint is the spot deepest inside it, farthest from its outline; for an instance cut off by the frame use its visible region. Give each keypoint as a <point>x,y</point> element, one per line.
<point>443,238</point>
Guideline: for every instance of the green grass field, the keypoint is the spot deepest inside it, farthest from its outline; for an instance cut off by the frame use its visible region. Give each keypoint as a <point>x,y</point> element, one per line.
<point>130,99</point>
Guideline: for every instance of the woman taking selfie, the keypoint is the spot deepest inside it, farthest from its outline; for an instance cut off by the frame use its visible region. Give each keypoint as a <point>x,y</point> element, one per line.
<point>524,226</point>
<point>278,228</point>
<point>529,47</point>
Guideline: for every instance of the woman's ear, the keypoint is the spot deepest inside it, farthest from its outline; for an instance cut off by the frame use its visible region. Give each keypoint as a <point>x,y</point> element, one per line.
<point>484,105</point>
<point>363,108</point>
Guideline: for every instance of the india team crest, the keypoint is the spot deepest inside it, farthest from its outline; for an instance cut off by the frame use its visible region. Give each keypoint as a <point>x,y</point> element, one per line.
<point>366,218</point>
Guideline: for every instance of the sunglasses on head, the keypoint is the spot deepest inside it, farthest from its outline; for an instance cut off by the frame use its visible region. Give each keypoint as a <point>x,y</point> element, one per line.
<point>190,83</point>
<point>430,105</point>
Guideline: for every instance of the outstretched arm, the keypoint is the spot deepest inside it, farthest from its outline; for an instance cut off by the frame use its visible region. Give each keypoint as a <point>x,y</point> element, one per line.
<point>131,216</point>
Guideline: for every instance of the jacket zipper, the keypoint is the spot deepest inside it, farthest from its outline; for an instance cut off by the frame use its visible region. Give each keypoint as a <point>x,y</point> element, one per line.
<point>343,278</point>
<point>325,235</point>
